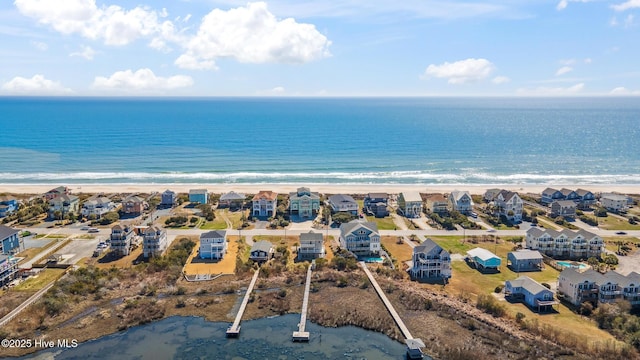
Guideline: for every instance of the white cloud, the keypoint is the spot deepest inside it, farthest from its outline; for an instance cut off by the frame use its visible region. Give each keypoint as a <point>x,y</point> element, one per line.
<point>588,61</point>
<point>87,52</point>
<point>252,34</point>
<point>624,91</point>
<point>277,90</point>
<point>549,91</point>
<point>564,3</point>
<point>613,21</point>
<point>40,45</point>
<point>628,21</point>
<point>462,71</point>
<point>630,4</point>
<point>563,70</point>
<point>37,85</point>
<point>112,24</point>
<point>500,80</point>
<point>141,80</point>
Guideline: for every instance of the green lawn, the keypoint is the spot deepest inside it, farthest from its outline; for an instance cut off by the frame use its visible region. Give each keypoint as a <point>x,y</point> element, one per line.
<point>385,223</point>
<point>39,281</point>
<point>51,236</point>
<point>614,223</point>
<point>217,224</point>
<point>610,242</point>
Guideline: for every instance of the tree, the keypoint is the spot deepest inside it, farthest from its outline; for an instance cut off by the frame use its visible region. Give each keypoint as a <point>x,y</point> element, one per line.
<point>600,212</point>
<point>593,262</point>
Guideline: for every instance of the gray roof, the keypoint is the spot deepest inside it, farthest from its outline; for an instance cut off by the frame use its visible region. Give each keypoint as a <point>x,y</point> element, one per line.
<point>311,236</point>
<point>575,276</point>
<point>614,197</point>
<point>427,246</point>
<point>340,198</point>
<point>380,195</point>
<point>564,203</point>
<point>507,195</point>
<point>232,195</point>
<point>64,197</point>
<point>482,254</point>
<point>263,245</point>
<point>198,191</point>
<point>526,255</point>
<point>214,234</point>
<point>458,194</point>
<point>537,232</point>
<point>411,196</point>
<point>154,229</point>
<point>549,191</point>
<point>6,232</point>
<point>98,200</point>
<point>354,224</point>
<point>566,191</point>
<point>169,192</point>
<point>529,284</point>
<point>302,192</point>
<point>583,192</point>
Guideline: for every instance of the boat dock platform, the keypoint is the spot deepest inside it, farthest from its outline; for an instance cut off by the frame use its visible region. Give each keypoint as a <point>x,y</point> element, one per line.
<point>234,329</point>
<point>414,346</point>
<point>302,335</point>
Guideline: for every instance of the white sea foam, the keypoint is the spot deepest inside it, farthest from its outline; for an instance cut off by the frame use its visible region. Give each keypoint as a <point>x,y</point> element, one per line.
<point>404,177</point>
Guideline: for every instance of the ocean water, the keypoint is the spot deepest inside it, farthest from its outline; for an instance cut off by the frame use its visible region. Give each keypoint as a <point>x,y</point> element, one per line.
<point>305,140</point>
<point>269,338</point>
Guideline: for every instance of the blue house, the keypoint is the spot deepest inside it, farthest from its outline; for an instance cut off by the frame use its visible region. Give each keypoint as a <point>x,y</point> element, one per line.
<point>484,259</point>
<point>200,196</point>
<point>530,292</point>
<point>7,206</point>
<point>9,240</point>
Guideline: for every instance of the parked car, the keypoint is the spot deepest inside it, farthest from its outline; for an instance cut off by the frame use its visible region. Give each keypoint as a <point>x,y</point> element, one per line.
<point>94,230</point>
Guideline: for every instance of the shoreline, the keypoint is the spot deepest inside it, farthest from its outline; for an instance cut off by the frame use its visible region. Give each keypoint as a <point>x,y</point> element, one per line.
<point>283,188</point>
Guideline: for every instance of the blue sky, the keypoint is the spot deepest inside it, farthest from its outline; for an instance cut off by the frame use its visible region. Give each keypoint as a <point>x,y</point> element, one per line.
<point>320,48</point>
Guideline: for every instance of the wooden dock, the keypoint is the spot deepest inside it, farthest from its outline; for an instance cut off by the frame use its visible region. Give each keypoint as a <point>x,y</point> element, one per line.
<point>302,335</point>
<point>413,345</point>
<point>234,329</point>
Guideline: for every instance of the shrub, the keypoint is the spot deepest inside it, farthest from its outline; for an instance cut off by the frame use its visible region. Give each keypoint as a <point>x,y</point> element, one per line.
<point>490,305</point>
<point>520,317</point>
<point>498,289</point>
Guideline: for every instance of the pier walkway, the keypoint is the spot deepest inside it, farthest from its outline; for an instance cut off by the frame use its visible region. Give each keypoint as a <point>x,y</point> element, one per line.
<point>234,330</point>
<point>302,335</point>
<point>413,344</point>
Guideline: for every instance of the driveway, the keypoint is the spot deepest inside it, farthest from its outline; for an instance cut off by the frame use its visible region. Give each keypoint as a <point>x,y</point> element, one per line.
<point>629,263</point>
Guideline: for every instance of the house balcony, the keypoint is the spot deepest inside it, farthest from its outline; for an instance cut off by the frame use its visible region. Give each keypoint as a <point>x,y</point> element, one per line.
<point>588,292</point>
<point>610,292</point>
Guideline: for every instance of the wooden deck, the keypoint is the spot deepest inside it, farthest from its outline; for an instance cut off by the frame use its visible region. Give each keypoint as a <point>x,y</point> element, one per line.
<point>302,335</point>
<point>413,344</point>
<point>234,329</point>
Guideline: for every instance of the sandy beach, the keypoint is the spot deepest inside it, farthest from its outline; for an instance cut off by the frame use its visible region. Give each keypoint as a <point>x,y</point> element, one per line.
<point>322,188</point>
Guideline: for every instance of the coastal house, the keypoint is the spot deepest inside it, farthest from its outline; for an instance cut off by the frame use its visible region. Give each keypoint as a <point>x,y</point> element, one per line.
<point>343,203</point>
<point>585,198</point>
<point>64,204</point>
<point>376,204</point>
<point>167,199</point>
<point>232,200</point>
<point>213,244</point>
<point>198,196</point>
<point>508,204</point>
<point>483,259</point>
<point>53,193</point>
<point>565,244</point>
<point>121,239</point>
<point>10,241</point>
<point>614,202</point>
<point>361,238</point>
<point>550,195</point>
<point>265,204</point>
<point>410,204</point>
<point>579,286</point>
<point>430,262</point>
<point>304,203</point>
<point>154,241</point>
<point>461,202</point>
<point>568,194</point>
<point>134,205</point>
<point>531,293</point>
<point>97,206</point>
<point>525,260</point>
<point>311,246</point>
<point>261,251</point>
<point>565,208</point>
<point>437,203</point>
<point>8,269</point>
<point>490,194</point>
<point>7,205</point>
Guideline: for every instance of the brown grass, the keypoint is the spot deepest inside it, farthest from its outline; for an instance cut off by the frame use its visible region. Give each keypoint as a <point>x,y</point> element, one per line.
<point>227,265</point>
<point>401,252</point>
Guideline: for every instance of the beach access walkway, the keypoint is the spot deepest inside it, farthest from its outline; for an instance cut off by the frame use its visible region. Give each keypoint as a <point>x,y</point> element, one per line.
<point>234,329</point>
<point>302,335</point>
<point>413,345</point>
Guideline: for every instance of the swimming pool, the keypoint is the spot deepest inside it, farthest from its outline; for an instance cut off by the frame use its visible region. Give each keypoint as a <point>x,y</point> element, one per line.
<point>571,264</point>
